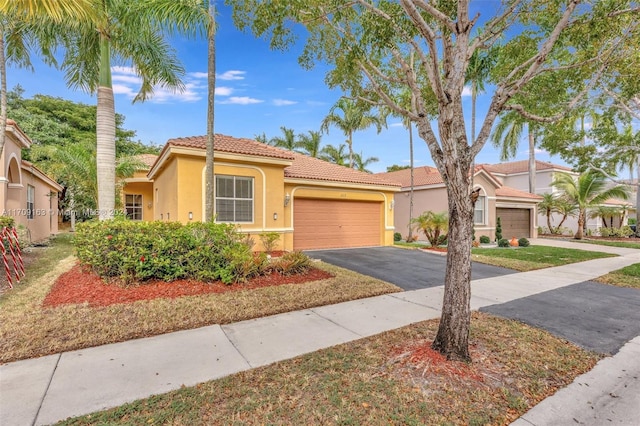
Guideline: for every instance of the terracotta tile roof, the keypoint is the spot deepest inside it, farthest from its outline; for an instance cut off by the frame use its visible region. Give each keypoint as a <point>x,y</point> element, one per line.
<point>302,167</point>
<point>616,202</point>
<point>424,175</point>
<point>28,165</point>
<point>305,167</point>
<point>147,159</point>
<point>229,144</point>
<point>522,167</point>
<point>507,191</point>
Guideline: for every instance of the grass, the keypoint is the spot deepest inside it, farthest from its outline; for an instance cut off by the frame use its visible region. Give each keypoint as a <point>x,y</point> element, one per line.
<point>533,257</point>
<point>631,244</point>
<point>379,380</point>
<point>415,244</point>
<point>28,330</point>
<point>628,276</point>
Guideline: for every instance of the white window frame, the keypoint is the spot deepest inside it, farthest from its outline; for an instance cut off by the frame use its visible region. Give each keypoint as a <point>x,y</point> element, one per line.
<point>131,208</point>
<point>482,203</point>
<point>31,201</point>
<point>235,198</point>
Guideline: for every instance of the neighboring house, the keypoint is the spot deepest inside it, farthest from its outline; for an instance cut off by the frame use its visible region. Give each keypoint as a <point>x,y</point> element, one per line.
<point>311,203</point>
<point>516,175</point>
<point>26,193</point>
<point>517,209</point>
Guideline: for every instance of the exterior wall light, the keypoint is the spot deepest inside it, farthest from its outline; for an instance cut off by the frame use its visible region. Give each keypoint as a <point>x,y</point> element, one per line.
<point>392,204</point>
<point>287,198</point>
<point>190,215</point>
<point>275,216</point>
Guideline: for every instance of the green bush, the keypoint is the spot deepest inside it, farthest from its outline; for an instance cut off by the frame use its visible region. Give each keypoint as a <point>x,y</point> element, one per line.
<point>7,221</point>
<point>397,236</point>
<point>442,240</point>
<point>523,242</point>
<point>138,251</point>
<point>484,239</point>
<point>624,231</point>
<point>503,242</point>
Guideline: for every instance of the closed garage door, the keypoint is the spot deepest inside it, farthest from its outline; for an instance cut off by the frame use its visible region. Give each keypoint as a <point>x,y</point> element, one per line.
<point>515,222</point>
<point>321,224</point>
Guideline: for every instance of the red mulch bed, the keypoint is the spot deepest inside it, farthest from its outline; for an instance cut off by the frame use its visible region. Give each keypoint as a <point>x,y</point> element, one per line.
<point>80,286</point>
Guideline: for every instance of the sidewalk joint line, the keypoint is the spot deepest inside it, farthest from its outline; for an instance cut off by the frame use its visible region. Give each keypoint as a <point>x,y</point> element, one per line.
<point>335,323</point>
<point>236,348</point>
<point>46,390</point>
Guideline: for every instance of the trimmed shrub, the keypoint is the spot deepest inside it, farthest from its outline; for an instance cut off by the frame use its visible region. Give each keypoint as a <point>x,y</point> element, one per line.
<point>397,236</point>
<point>139,251</point>
<point>7,221</point>
<point>523,242</point>
<point>503,242</point>
<point>484,239</point>
<point>498,230</point>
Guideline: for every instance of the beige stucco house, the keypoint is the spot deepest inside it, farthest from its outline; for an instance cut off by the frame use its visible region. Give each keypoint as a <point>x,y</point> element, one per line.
<point>517,209</point>
<point>26,193</point>
<point>312,204</point>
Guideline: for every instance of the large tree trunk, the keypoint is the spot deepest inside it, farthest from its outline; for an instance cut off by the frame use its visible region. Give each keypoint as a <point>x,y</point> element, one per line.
<point>452,338</point>
<point>350,144</point>
<point>209,214</point>
<point>106,137</point>
<point>638,198</point>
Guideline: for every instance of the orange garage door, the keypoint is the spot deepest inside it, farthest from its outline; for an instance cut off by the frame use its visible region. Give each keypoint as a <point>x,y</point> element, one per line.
<point>321,224</point>
<point>515,222</point>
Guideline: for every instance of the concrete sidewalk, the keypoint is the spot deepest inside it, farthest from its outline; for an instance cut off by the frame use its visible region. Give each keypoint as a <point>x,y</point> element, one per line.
<point>52,388</point>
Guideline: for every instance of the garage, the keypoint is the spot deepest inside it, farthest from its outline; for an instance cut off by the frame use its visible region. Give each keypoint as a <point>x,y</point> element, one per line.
<point>515,222</point>
<point>319,224</point>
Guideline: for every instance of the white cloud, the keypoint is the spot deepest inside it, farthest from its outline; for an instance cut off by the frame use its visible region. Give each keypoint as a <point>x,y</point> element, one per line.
<point>466,91</point>
<point>397,124</point>
<point>198,74</point>
<point>242,100</point>
<point>224,91</point>
<point>231,75</point>
<point>127,83</point>
<point>283,102</point>
<point>121,89</point>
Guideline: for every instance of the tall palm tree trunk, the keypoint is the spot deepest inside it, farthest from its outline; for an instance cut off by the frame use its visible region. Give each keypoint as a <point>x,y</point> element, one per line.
<point>211,81</point>
<point>350,143</point>
<point>532,161</point>
<point>106,136</point>
<point>411,170</point>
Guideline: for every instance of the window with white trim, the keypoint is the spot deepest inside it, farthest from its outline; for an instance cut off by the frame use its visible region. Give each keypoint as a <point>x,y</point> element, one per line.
<point>234,198</point>
<point>479,210</point>
<point>31,201</point>
<point>133,206</point>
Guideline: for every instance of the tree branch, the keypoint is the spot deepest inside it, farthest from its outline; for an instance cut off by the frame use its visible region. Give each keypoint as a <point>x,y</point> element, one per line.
<point>439,16</point>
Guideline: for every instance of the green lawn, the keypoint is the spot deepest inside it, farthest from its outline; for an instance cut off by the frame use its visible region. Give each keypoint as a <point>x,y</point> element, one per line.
<point>533,257</point>
<point>632,244</point>
<point>628,276</point>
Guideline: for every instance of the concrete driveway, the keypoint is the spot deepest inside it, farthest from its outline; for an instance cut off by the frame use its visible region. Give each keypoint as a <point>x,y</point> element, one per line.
<point>595,316</point>
<point>408,269</point>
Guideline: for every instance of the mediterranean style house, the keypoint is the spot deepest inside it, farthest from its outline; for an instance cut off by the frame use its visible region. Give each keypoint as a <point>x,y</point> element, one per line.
<point>26,193</point>
<point>312,204</point>
<point>517,209</point>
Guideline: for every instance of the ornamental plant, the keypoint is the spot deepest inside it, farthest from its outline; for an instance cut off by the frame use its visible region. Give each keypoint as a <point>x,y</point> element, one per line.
<point>139,251</point>
<point>498,229</point>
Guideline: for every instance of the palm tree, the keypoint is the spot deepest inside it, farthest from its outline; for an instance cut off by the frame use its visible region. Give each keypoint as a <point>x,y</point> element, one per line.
<point>57,10</point>
<point>286,141</point>
<point>506,136</point>
<point>480,65</point>
<point>566,209</point>
<point>586,191</point>
<point>361,164</point>
<point>309,144</point>
<point>354,117</point>
<point>434,225</point>
<point>548,206</point>
<point>335,155</point>
<point>604,213</point>
<point>131,33</point>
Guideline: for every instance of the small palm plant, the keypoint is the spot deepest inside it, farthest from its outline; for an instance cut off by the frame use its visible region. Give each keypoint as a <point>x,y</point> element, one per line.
<point>434,225</point>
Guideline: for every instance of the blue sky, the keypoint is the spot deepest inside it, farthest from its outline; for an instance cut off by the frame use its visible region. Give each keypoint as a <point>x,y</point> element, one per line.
<point>257,90</point>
